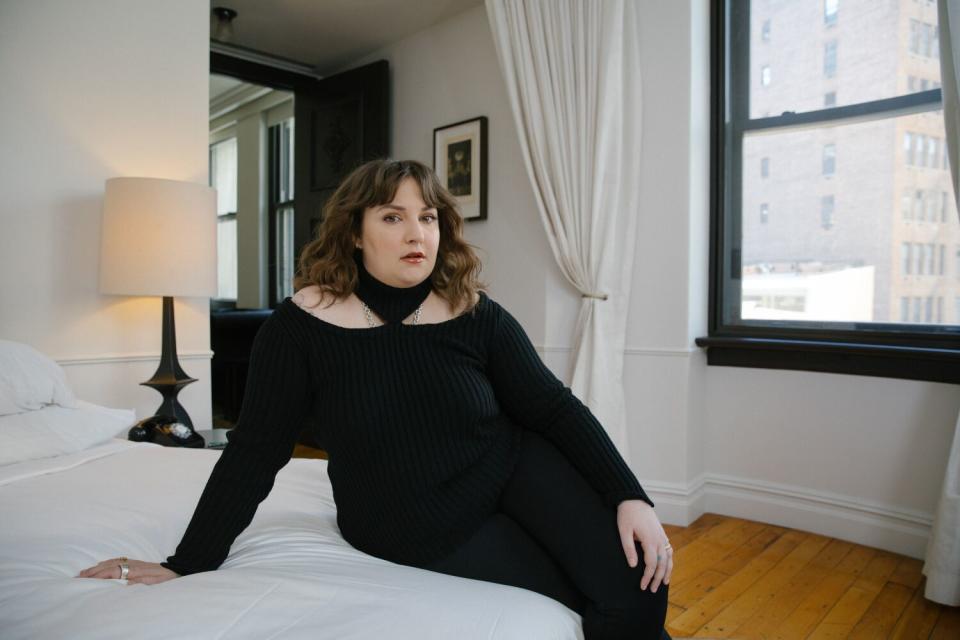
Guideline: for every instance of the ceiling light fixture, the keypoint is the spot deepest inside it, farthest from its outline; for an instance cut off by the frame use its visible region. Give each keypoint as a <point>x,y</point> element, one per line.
<point>221,26</point>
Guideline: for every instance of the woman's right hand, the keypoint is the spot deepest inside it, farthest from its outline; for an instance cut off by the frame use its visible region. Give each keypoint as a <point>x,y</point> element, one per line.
<point>139,572</point>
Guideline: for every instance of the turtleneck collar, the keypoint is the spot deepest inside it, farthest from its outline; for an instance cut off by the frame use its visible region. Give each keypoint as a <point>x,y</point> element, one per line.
<point>393,304</point>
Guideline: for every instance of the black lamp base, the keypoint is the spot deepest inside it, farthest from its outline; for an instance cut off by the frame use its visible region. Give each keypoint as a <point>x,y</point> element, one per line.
<point>170,377</point>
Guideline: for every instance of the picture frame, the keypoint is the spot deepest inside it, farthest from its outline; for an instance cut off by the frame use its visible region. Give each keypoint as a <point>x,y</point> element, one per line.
<point>460,161</point>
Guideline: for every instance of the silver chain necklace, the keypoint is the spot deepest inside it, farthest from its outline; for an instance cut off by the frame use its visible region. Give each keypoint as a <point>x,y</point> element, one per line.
<point>372,323</point>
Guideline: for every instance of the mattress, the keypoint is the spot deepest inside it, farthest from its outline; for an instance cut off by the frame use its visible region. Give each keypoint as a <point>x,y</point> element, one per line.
<point>290,574</point>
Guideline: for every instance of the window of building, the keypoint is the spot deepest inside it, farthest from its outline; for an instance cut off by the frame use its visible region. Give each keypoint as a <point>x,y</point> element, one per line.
<point>765,31</point>
<point>830,59</point>
<point>223,178</point>
<point>829,159</point>
<point>932,204</point>
<point>764,213</point>
<point>932,155</point>
<point>944,206</point>
<point>830,8</point>
<point>854,264</point>
<point>924,39</point>
<point>943,255</point>
<point>826,211</point>
<point>764,167</point>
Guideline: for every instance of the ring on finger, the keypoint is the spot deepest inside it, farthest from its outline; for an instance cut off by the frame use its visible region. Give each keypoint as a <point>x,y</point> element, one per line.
<point>124,570</point>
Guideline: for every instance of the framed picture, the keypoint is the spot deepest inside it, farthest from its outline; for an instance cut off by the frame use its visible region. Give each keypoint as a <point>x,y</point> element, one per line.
<point>460,160</point>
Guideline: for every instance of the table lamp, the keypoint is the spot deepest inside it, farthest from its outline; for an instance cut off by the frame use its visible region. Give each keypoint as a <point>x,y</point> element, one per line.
<point>159,238</point>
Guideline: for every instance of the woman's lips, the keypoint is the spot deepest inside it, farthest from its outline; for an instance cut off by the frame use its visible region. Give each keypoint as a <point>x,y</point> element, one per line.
<point>414,260</point>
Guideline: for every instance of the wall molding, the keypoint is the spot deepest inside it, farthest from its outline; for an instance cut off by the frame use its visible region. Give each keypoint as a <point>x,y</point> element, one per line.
<point>628,351</point>
<point>871,523</point>
<point>117,358</point>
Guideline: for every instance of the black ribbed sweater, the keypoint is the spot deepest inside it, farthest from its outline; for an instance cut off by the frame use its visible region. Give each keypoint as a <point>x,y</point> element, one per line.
<point>420,423</point>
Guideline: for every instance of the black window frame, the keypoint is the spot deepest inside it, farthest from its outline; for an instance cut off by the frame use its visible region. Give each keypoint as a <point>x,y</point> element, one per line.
<point>891,350</point>
<point>275,203</point>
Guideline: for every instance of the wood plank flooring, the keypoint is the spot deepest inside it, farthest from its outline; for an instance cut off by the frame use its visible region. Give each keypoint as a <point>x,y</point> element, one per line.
<point>736,578</point>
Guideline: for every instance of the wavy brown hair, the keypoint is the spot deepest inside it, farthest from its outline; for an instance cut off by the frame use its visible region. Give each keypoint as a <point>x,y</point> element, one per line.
<point>327,261</point>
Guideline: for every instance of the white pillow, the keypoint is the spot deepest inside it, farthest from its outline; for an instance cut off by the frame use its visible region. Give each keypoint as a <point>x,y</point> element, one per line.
<point>54,431</point>
<point>30,380</point>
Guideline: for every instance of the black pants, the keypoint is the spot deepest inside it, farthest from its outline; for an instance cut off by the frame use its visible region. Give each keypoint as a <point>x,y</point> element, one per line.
<point>553,535</point>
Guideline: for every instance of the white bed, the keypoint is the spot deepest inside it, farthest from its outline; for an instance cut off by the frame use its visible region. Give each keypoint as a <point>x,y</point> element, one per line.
<point>289,575</point>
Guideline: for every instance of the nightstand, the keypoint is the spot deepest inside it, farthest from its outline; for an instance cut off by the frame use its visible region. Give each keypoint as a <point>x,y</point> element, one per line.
<point>217,439</point>
<point>214,438</point>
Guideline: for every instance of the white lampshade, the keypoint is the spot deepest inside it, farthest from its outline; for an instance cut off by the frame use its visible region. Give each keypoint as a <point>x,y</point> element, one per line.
<point>158,238</point>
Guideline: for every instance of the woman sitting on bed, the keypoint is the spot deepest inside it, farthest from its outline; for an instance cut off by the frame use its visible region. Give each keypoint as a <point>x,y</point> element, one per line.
<point>451,446</point>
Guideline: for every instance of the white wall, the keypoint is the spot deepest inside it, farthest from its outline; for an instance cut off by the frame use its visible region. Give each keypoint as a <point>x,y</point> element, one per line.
<point>854,457</point>
<point>94,90</point>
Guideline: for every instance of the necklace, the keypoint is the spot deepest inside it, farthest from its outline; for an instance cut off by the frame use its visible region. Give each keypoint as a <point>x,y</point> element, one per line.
<point>372,323</point>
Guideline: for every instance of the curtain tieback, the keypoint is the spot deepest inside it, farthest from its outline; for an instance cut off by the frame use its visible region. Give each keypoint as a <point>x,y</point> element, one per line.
<point>598,296</point>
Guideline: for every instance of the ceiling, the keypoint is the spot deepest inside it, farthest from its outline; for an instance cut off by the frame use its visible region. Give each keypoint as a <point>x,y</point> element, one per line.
<point>329,34</point>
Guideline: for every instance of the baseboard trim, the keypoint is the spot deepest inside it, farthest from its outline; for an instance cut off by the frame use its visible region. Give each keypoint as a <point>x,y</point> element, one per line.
<point>875,524</point>
<point>129,357</point>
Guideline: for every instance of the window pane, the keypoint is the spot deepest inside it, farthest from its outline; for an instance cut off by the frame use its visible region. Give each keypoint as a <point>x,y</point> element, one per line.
<point>227,258</point>
<point>223,174</point>
<point>284,252</point>
<point>869,54</point>
<point>853,239</point>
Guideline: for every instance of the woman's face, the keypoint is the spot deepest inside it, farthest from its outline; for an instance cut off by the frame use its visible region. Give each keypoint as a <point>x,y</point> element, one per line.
<point>399,239</point>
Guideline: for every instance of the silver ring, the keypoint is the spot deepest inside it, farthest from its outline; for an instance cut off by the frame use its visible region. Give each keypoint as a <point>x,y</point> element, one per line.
<point>124,570</point>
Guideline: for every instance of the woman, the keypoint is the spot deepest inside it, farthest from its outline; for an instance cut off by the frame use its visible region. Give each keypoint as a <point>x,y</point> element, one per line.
<point>451,446</point>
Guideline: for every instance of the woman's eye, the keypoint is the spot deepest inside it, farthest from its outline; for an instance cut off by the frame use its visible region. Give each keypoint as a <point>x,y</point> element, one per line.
<point>391,218</point>
<point>429,218</point>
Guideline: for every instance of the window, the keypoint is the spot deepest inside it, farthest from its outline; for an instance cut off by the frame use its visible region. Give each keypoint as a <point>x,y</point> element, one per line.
<point>830,59</point>
<point>932,156</point>
<point>830,12</point>
<point>223,178</point>
<point>943,254</point>
<point>944,206</point>
<point>932,202</point>
<point>868,268</point>
<point>765,31</point>
<point>906,205</point>
<point>826,212</point>
<point>281,211</point>
<point>924,39</point>
<point>764,167</point>
<point>829,159</point>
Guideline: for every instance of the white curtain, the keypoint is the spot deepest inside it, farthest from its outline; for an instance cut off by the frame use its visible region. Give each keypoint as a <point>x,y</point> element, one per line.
<point>942,562</point>
<point>572,72</point>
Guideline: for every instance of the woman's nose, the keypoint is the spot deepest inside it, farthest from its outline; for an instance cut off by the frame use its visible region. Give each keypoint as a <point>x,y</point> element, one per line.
<point>414,232</point>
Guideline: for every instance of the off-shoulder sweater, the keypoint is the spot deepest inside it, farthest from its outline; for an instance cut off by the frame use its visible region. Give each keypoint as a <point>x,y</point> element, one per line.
<point>420,423</point>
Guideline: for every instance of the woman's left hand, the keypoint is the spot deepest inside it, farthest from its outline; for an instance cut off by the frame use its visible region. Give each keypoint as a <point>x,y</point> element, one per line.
<point>637,521</point>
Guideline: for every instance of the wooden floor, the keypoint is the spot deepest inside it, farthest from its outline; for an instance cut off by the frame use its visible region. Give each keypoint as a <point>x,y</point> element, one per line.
<point>736,578</point>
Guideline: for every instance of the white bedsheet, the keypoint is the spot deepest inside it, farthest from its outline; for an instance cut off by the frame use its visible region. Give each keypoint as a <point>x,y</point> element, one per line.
<point>289,575</point>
